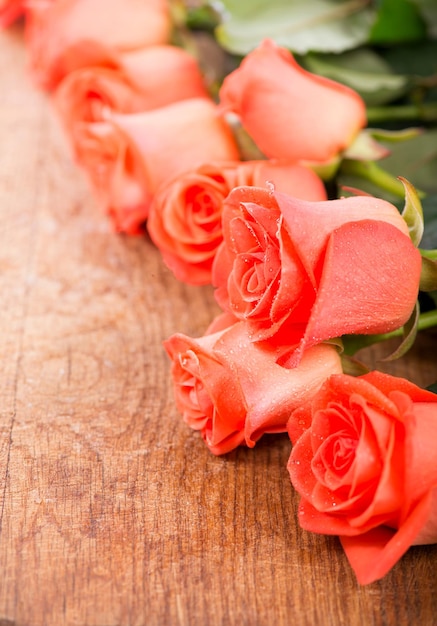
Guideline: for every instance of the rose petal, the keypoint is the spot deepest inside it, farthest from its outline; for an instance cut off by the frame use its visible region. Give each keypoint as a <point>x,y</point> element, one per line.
<point>428,532</point>
<point>310,242</point>
<point>223,428</point>
<point>186,215</point>
<point>271,391</point>
<point>374,553</point>
<point>369,282</point>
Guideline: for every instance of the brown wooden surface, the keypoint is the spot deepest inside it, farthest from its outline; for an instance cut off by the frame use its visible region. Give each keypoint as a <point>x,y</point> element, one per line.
<point>113,512</point>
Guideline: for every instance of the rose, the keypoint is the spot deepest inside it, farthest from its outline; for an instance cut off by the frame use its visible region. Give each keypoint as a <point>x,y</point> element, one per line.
<point>185,217</point>
<point>310,271</point>
<point>64,35</point>
<point>128,156</point>
<point>234,391</point>
<point>128,83</point>
<point>363,460</point>
<point>131,82</point>
<point>290,113</point>
<point>10,10</point>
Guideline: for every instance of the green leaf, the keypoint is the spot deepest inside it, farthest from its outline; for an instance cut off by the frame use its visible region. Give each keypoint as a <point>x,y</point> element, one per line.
<point>428,11</point>
<point>364,71</point>
<point>429,239</point>
<point>415,160</point>
<point>300,25</point>
<point>202,17</point>
<point>398,21</point>
<point>432,388</point>
<point>418,62</point>
<point>416,59</point>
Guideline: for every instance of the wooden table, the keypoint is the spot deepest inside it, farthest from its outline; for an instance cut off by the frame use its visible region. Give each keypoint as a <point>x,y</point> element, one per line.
<point>112,511</point>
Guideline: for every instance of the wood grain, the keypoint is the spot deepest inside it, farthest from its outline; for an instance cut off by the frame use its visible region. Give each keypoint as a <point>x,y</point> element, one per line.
<point>112,512</point>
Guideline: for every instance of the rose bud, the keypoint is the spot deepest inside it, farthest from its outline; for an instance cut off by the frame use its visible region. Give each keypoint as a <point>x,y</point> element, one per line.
<point>290,113</point>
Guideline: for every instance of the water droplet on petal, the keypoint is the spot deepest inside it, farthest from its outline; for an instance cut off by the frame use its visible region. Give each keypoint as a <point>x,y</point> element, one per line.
<point>270,186</point>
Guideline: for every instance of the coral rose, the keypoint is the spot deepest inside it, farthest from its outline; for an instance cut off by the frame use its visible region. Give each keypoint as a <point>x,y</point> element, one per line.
<point>64,35</point>
<point>364,462</point>
<point>234,391</point>
<point>130,82</point>
<point>289,112</point>
<point>10,10</point>
<point>185,216</point>
<point>128,156</point>
<point>310,271</point>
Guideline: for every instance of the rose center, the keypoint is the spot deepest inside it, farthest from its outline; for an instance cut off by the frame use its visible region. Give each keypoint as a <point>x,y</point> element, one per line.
<point>194,394</point>
<point>343,454</point>
<point>202,209</point>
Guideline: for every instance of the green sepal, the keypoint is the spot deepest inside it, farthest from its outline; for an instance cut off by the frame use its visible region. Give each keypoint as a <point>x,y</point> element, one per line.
<point>353,367</point>
<point>247,148</point>
<point>365,148</point>
<point>409,332</point>
<point>353,343</point>
<point>412,212</point>
<point>428,275</point>
<point>337,343</point>
<point>327,170</point>
<point>395,136</point>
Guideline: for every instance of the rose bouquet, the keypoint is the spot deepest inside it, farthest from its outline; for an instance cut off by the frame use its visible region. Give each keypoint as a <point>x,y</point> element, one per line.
<point>262,177</point>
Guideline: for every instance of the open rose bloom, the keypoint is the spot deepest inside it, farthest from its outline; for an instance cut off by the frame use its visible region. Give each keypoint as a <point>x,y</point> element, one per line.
<point>303,272</point>
<point>185,219</point>
<point>364,462</point>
